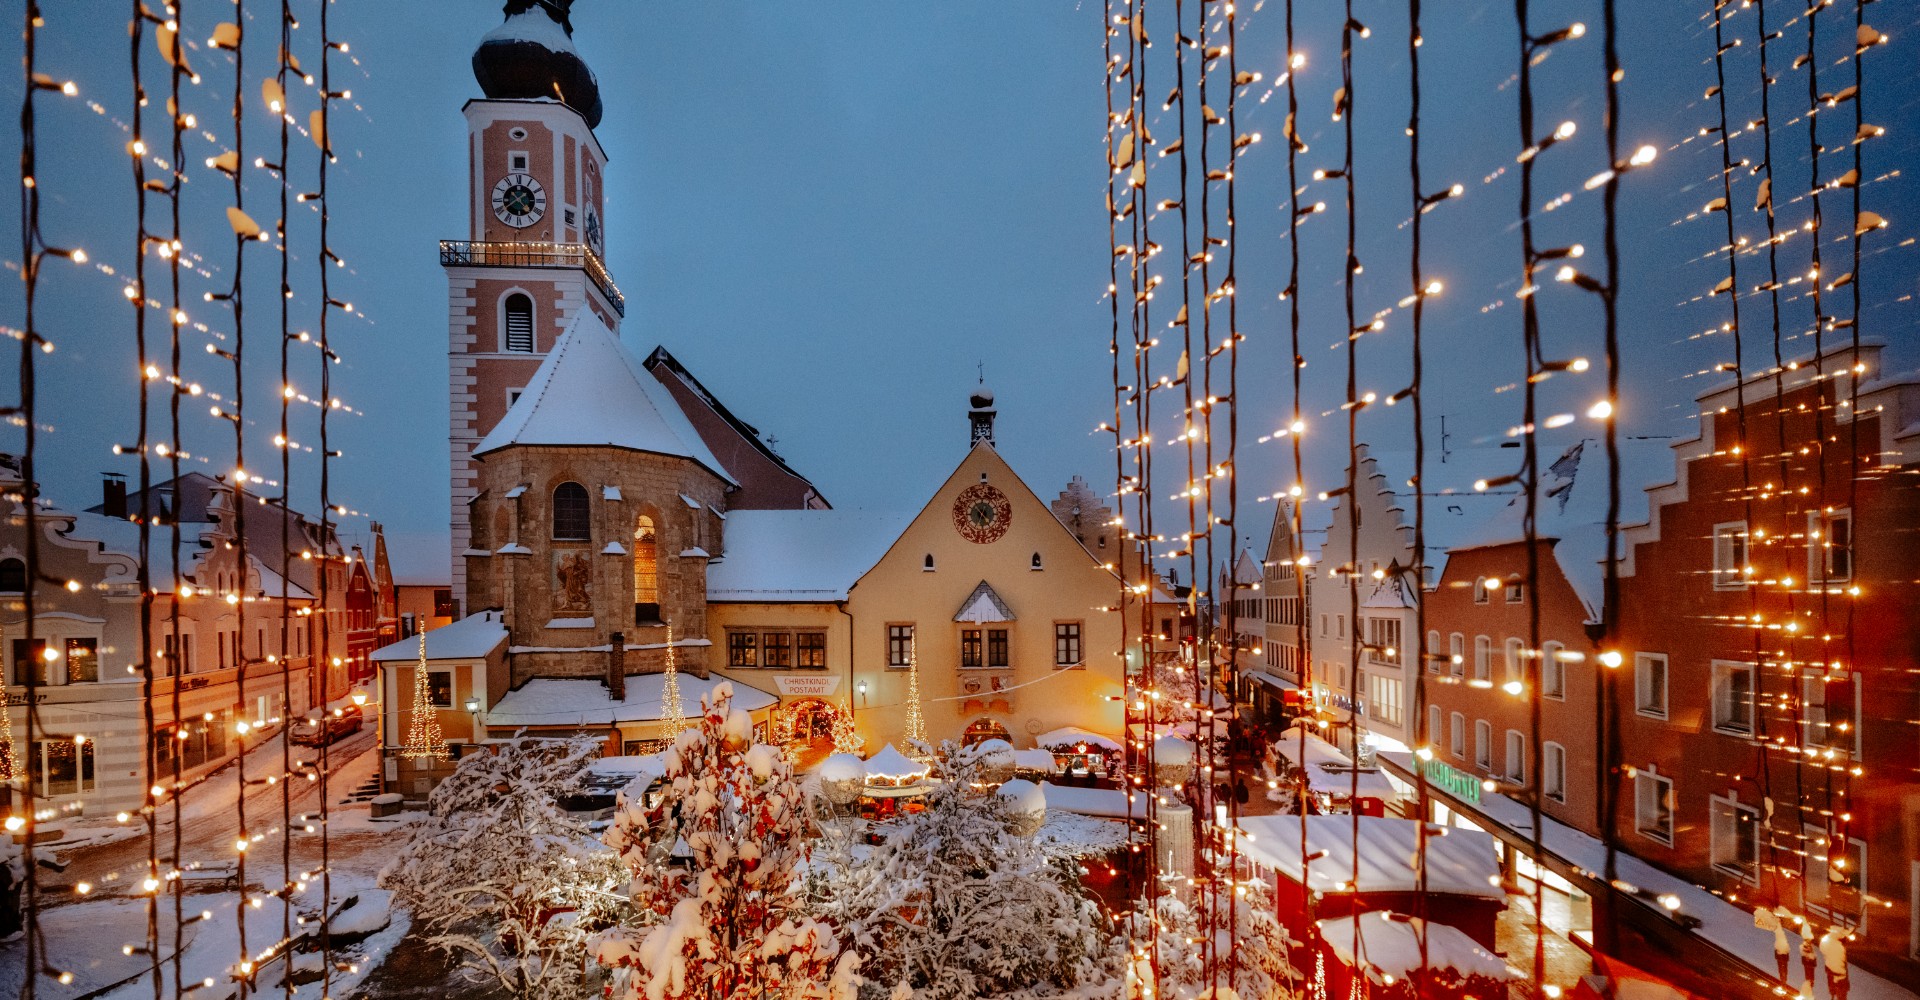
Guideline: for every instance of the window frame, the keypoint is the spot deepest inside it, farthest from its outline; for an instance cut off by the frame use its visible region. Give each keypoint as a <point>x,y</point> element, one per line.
<point>1483,658</point>
<point>745,640</point>
<point>1641,687</point>
<point>1648,777</point>
<point>900,645</point>
<point>433,685</point>
<point>1731,573</point>
<point>973,649</point>
<point>1457,654</point>
<point>1482,594</point>
<point>1721,807</point>
<point>506,323</point>
<point>1820,561</point>
<point>1483,745</point>
<point>1515,591</point>
<point>584,514</point>
<point>1457,735</point>
<point>1514,652</point>
<point>1069,645</point>
<point>1516,747</point>
<point>1723,672</point>
<point>1433,648</point>
<point>999,649</point>
<point>86,764</point>
<point>1553,771</point>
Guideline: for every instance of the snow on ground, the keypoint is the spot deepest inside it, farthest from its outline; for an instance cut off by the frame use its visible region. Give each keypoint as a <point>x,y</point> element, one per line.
<point>1072,835</point>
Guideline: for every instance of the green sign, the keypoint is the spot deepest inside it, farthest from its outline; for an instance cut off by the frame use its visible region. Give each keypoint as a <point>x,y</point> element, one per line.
<point>1464,787</point>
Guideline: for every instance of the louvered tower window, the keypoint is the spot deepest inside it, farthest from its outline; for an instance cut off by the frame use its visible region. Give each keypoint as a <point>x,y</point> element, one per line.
<point>519,323</point>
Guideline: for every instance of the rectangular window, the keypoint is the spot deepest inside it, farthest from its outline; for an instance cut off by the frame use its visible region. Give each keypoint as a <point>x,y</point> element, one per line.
<point>440,688</point>
<point>776,650</point>
<point>1653,806</point>
<point>443,603</point>
<point>1482,658</point>
<point>1457,739</point>
<point>31,657</point>
<point>900,646</point>
<point>1553,671</point>
<point>83,660</point>
<point>65,765</point>
<point>1836,873</point>
<point>997,652</point>
<point>1827,704</point>
<point>1457,654</point>
<point>1730,555</point>
<point>1383,634</point>
<point>1066,645</point>
<point>1735,841</point>
<point>1829,546</point>
<point>743,649</point>
<point>1516,756</point>
<point>1339,626</point>
<point>1483,744</point>
<point>810,650</point>
<point>1516,592</point>
<point>1383,698</point>
<point>1323,625</point>
<point>1553,758</point>
<point>971,654</point>
<point>1650,685</point>
<point>1733,697</point>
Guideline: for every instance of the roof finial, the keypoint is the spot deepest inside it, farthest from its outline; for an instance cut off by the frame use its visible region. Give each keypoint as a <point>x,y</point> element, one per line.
<point>982,365</point>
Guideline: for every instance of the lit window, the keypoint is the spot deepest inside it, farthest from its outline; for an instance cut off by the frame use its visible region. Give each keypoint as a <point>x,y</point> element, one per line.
<point>743,649</point>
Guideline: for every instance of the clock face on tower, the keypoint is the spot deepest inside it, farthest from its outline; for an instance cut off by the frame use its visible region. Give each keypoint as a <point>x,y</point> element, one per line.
<point>981,514</point>
<point>519,201</point>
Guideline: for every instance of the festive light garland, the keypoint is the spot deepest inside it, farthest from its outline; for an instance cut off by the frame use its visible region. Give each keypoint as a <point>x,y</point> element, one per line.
<point>425,741</point>
<point>673,710</point>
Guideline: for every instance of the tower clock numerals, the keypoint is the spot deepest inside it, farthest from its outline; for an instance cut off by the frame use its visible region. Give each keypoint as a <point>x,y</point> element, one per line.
<point>519,201</point>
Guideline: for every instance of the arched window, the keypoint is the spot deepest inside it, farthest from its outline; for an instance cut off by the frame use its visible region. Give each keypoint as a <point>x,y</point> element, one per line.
<point>570,519</point>
<point>1036,561</point>
<point>927,565</point>
<point>13,576</point>
<point>981,730</point>
<point>518,309</point>
<point>646,572</point>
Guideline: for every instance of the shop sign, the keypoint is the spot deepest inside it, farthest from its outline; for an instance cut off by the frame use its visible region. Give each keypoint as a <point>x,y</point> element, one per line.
<point>807,686</point>
<point>1464,787</point>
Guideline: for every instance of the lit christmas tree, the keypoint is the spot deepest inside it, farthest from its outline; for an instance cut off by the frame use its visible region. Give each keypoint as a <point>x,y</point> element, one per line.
<point>425,741</point>
<point>845,738</point>
<point>673,717</point>
<point>917,747</point>
<point>7,768</point>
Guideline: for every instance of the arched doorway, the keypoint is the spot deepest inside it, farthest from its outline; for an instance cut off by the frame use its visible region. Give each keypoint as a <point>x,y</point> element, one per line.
<point>982,730</point>
<point>806,727</point>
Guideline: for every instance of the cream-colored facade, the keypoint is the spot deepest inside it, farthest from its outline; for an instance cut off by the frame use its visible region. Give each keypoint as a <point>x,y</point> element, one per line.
<point>1062,662</point>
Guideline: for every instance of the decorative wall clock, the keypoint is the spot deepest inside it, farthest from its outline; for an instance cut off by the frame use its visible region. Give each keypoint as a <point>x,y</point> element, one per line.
<point>982,513</point>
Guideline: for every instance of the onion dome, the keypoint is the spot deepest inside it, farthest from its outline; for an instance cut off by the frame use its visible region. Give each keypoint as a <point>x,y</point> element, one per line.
<point>531,55</point>
<point>982,398</point>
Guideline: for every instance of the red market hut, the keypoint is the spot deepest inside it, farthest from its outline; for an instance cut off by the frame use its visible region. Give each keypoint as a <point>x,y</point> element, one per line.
<point>1397,957</point>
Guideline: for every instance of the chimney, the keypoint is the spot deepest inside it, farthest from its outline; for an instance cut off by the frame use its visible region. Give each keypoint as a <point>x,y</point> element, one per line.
<point>617,666</point>
<point>980,414</point>
<point>113,496</point>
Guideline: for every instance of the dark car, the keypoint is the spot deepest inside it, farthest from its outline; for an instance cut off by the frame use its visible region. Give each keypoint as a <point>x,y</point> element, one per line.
<point>341,722</point>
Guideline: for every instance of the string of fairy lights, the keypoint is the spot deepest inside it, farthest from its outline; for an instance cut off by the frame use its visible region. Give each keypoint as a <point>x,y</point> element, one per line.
<point>1793,510</point>
<point>165,222</point>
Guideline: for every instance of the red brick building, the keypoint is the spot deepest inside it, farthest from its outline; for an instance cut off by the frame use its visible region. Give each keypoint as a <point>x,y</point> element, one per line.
<point>1767,692</point>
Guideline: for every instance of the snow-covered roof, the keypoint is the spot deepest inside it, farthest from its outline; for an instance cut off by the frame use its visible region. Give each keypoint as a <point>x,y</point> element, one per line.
<point>1458,861</point>
<point>550,701</point>
<point>890,763</point>
<point>1109,802</point>
<point>800,555</point>
<point>983,605</point>
<point>121,536</point>
<point>1318,751</point>
<point>470,638</point>
<point>1389,947</point>
<point>1074,735</point>
<point>1034,760</point>
<point>589,390</point>
<point>1329,771</point>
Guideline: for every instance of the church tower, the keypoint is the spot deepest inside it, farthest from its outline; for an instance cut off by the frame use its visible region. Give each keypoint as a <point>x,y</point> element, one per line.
<point>534,253</point>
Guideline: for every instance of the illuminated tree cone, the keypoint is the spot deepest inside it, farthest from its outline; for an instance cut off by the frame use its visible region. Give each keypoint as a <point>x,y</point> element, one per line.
<point>673,714</point>
<point>425,741</point>
<point>916,719</point>
<point>8,770</point>
<point>845,739</point>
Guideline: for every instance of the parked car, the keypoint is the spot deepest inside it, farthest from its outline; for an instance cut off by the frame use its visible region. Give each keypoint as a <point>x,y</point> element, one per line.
<point>341,722</point>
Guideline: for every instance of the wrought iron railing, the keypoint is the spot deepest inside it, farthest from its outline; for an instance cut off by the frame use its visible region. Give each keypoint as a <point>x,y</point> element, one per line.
<point>535,255</point>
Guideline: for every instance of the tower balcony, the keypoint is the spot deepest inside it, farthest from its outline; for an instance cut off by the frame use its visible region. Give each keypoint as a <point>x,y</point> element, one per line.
<point>472,253</point>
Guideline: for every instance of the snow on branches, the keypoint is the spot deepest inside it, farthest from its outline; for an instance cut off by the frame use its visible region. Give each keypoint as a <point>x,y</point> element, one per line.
<point>1249,948</point>
<point>501,877</point>
<point>724,925</point>
<point>954,903</point>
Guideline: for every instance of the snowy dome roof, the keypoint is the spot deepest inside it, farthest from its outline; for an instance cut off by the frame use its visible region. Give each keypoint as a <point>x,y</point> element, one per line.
<point>982,398</point>
<point>842,767</point>
<point>1024,796</point>
<point>531,55</point>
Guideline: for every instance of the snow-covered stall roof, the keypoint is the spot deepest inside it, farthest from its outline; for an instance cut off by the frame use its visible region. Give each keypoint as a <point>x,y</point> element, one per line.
<point>1034,760</point>
<point>1389,947</point>
<point>1329,771</point>
<point>470,638</point>
<point>1108,802</point>
<point>1074,736</point>
<point>1458,861</point>
<point>547,701</point>
<point>889,763</point>
<point>591,391</point>
<point>800,555</point>
<point>983,605</point>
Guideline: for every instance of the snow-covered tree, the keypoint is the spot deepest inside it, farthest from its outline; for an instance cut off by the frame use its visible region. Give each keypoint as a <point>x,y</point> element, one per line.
<point>954,903</point>
<point>504,880</point>
<point>1250,948</point>
<point>727,924</point>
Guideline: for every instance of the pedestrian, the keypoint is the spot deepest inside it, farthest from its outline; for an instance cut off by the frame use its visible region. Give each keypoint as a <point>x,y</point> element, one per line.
<point>1240,793</point>
<point>1833,951</point>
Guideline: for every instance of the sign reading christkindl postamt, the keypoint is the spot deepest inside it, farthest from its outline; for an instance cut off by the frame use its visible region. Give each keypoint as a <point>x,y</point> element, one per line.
<point>1462,786</point>
<point>807,686</point>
